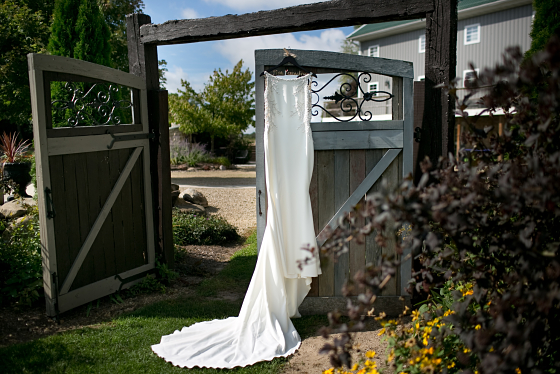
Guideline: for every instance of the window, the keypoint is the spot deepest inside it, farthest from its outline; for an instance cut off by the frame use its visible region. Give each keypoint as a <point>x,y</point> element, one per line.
<point>373,87</point>
<point>420,78</point>
<point>374,51</point>
<point>422,44</point>
<point>468,76</point>
<point>472,34</point>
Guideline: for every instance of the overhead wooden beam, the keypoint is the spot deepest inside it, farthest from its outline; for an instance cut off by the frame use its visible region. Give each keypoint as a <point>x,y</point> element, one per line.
<point>335,13</point>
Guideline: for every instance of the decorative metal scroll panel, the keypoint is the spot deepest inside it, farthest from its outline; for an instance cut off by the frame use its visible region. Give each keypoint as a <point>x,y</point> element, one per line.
<point>99,105</point>
<point>346,96</point>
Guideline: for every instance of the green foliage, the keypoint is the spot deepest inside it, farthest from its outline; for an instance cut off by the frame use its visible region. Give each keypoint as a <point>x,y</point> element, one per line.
<point>545,24</point>
<point>21,275</point>
<point>190,228</point>
<point>23,29</point>
<point>224,107</point>
<point>220,161</point>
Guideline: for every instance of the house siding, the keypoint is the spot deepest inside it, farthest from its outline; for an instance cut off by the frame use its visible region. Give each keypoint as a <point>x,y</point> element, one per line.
<point>498,31</point>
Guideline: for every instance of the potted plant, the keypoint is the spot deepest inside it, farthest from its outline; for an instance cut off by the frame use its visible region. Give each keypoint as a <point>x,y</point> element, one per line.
<point>14,166</point>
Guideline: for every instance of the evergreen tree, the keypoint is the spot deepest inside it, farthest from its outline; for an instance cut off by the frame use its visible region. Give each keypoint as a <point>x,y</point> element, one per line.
<point>545,24</point>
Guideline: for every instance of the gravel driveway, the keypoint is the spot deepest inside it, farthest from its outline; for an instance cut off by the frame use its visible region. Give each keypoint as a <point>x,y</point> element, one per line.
<point>230,193</point>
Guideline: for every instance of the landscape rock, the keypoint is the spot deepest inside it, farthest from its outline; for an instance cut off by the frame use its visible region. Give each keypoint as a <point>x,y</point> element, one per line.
<point>189,207</point>
<point>174,195</point>
<point>193,196</point>
<point>13,209</point>
<point>222,167</point>
<point>174,187</point>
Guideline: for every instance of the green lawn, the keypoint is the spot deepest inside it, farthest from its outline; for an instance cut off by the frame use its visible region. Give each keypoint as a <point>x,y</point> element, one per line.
<point>123,345</point>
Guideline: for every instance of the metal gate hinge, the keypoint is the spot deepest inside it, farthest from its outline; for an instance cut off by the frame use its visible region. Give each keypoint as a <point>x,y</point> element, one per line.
<point>418,134</point>
<point>122,138</point>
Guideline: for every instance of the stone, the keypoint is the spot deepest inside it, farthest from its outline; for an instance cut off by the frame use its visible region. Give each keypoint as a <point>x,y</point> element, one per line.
<point>193,196</point>
<point>222,167</point>
<point>21,221</point>
<point>13,209</point>
<point>174,187</point>
<point>174,195</point>
<point>189,207</point>
<point>192,168</point>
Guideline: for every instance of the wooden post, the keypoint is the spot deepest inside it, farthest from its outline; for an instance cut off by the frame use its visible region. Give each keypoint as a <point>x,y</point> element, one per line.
<point>143,61</point>
<point>441,61</point>
<point>458,146</point>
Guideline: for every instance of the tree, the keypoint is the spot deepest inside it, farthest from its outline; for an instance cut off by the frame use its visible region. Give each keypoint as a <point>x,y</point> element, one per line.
<point>545,24</point>
<point>225,107</point>
<point>23,29</point>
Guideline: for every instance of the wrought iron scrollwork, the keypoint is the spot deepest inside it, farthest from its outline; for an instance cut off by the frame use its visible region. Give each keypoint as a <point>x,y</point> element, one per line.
<point>345,96</point>
<point>103,99</point>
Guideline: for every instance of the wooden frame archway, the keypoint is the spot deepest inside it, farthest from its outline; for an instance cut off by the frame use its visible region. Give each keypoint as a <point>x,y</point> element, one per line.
<point>441,60</point>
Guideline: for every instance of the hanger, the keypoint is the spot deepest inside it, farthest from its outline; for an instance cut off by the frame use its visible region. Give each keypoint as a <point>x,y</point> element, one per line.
<point>289,58</point>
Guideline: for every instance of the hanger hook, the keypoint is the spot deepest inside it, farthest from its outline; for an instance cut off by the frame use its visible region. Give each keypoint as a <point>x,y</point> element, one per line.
<point>288,53</point>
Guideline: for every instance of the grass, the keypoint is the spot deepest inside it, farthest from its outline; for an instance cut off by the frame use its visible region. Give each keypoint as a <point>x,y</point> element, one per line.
<point>123,344</point>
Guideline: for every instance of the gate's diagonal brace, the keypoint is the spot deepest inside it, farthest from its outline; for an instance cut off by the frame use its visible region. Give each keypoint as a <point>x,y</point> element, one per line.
<point>360,192</point>
<point>99,221</point>
<point>122,138</point>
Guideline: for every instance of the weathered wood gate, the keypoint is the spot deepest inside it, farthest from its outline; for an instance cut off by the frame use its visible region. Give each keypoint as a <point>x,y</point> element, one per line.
<point>93,180</point>
<point>351,159</point>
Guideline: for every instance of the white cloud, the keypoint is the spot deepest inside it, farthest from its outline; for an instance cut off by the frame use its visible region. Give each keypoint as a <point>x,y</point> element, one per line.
<point>189,13</point>
<point>244,48</point>
<point>176,73</point>
<point>254,5</point>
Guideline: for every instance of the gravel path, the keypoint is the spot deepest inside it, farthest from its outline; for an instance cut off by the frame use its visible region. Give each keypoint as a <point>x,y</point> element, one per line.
<point>230,194</point>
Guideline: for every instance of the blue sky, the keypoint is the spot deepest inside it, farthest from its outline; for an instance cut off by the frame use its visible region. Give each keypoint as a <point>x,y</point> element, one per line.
<point>196,62</point>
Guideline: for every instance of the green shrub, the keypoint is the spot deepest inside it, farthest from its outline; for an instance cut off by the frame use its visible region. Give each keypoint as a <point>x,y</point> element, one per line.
<point>190,228</point>
<point>21,277</point>
<point>220,160</point>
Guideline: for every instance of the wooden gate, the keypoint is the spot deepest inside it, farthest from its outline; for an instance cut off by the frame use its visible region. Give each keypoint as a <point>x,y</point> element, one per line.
<point>351,159</point>
<point>93,179</point>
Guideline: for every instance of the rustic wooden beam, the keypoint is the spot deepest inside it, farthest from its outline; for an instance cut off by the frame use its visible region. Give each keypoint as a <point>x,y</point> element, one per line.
<point>143,62</point>
<point>335,13</point>
<point>441,61</point>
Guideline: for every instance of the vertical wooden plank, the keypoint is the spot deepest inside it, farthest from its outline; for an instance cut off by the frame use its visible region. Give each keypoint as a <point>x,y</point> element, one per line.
<point>95,205</point>
<point>373,250</point>
<point>440,64</point>
<point>341,194</point>
<point>129,249</point>
<point>325,182</point>
<point>138,214</point>
<point>357,255</point>
<point>59,203</point>
<point>314,291</point>
<point>72,220</point>
<point>397,101</point>
<point>107,249</point>
<point>117,162</point>
<point>391,175</point>
<point>83,187</point>
<point>408,137</point>
<point>418,115</point>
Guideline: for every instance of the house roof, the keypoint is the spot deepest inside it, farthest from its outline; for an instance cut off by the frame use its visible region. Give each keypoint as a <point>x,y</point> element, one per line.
<point>466,9</point>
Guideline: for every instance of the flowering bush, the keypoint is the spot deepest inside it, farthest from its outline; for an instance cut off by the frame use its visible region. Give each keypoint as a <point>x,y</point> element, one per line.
<point>489,219</point>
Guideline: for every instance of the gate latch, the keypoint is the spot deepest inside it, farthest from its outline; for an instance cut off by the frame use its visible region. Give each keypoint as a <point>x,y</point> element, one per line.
<point>123,138</point>
<point>418,134</point>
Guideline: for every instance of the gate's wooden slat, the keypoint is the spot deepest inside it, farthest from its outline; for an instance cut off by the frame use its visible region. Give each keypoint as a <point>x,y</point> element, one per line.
<point>373,250</point>
<point>83,195</point>
<point>59,203</point>
<point>357,139</point>
<point>342,188</point>
<point>106,246</point>
<point>95,205</point>
<point>357,126</point>
<point>92,143</point>
<point>357,195</point>
<point>118,161</point>
<point>99,221</point>
<point>325,181</point>
<point>357,256</point>
<point>139,242</point>
<point>72,214</point>
<point>314,291</point>
<point>392,175</point>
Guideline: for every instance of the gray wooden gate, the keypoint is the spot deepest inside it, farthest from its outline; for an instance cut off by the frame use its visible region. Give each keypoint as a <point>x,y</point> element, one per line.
<point>351,159</point>
<point>93,179</point>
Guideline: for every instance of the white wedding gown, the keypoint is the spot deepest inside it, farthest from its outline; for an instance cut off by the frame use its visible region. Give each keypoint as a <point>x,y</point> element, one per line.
<point>263,330</point>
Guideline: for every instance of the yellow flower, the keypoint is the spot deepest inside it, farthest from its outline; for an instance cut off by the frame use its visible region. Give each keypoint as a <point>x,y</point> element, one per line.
<point>370,364</point>
<point>451,365</point>
<point>477,327</point>
<point>517,371</point>
<point>329,371</point>
<point>370,354</point>
<point>391,355</point>
<point>381,332</point>
<point>448,312</point>
<point>415,315</point>
<point>437,361</point>
<point>417,325</point>
<point>355,367</point>
<point>469,292</point>
<point>362,371</point>
<point>411,342</point>
<point>425,341</point>
<point>466,350</point>
<point>491,349</point>
<point>431,350</point>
